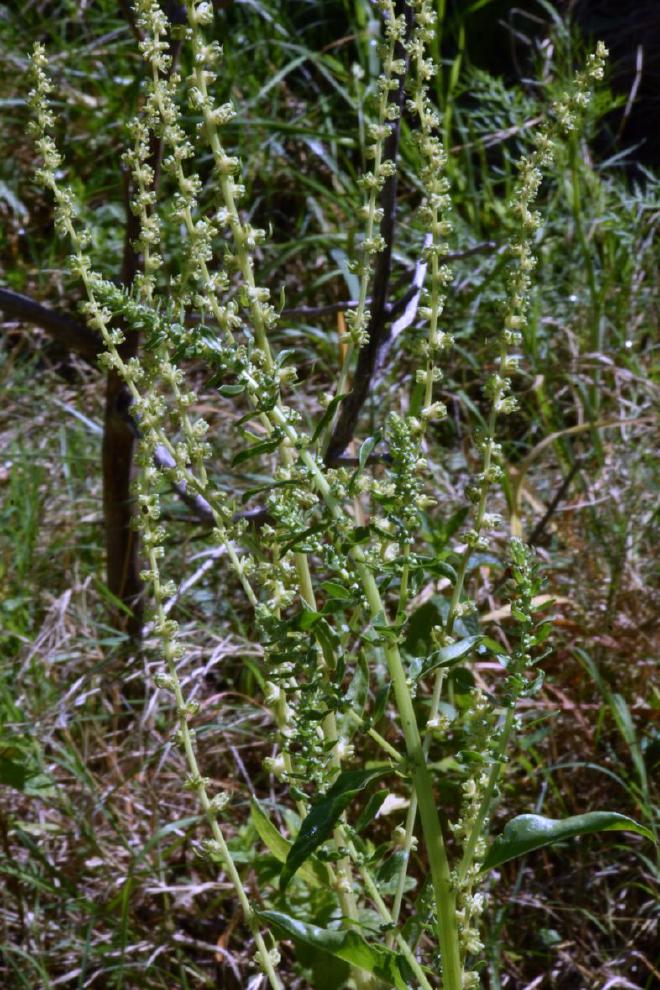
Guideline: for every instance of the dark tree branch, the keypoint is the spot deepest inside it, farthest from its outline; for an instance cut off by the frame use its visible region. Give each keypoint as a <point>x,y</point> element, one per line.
<point>117,452</point>
<point>374,357</point>
<point>127,11</point>
<point>344,428</point>
<point>537,533</point>
<point>393,309</point>
<point>70,333</point>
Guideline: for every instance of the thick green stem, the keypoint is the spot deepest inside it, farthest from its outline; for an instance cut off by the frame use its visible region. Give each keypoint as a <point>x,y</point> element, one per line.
<point>445,899</point>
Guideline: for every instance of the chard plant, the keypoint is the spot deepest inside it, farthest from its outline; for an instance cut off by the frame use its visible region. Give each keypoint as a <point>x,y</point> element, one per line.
<point>369,685</point>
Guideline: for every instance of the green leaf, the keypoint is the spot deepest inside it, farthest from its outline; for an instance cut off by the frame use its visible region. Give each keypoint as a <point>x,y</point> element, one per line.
<point>313,872</point>
<point>418,630</point>
<point>323,816</point>
<point>327,639</point>
<point>436,565</point>
<point>265,447</point>
<point>348,945</point>
<point>626,727</point>
<point>370,810</point>
<point>365,450</point>
<point>526,833</point>
<point>434,612</point>
<point>299,538</point>
<point>336,590</point>
<point>326,417</point>
<point>447,656</point>
<point>13,774</point>
<point>442,569</point>
<point>250,492</point>
<point>229,390</point>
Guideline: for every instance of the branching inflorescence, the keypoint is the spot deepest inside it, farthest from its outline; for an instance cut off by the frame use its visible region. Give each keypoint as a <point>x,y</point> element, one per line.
<point>331,585</point>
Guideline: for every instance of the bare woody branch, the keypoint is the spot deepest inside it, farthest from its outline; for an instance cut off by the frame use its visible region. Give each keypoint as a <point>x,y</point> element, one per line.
<point>378,321</point>
<point>71,334</point>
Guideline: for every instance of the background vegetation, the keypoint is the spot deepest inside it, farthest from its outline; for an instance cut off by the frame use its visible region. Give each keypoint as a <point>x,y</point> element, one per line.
<point>97,844</point>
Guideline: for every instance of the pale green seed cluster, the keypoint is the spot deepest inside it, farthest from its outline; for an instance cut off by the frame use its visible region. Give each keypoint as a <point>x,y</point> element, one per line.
<point>565,115</point>
<point>434,208</point>
<point>303,691</point>
<point>372,182</point>
<point>150,408</point>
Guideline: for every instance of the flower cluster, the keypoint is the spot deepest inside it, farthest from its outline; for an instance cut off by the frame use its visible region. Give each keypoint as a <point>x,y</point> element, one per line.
<point>435,205</point>
<point>372,182</point>
<point>314,654</point>
<point>566,112</point>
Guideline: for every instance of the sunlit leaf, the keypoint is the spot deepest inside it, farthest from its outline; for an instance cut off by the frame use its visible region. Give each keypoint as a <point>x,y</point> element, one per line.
<point>344,944</point>
<point>321,820</point>
<point>447,656</point>
<point>526,833</point>
<point>313,872</point>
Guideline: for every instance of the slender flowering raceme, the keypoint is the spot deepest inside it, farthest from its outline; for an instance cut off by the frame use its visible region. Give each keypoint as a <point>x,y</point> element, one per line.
<point>332,575</point>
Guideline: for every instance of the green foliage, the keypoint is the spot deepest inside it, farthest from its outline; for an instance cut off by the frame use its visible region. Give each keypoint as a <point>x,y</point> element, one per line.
<point>346,945</point>
<point>324,817</point>
<point>355,671</point>
<point>526,833</point>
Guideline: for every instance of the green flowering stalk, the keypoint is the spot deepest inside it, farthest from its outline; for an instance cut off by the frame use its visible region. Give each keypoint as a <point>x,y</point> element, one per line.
<point>436,226</point>
<point>150,410</point>
<point>257,371</point>
<point>283,423</point>
<point>565,116</point>
<point>372,182</point>
<point>279,584</point>
<point>566,112</point>
<point>315,513</point>
<point>479,791</point>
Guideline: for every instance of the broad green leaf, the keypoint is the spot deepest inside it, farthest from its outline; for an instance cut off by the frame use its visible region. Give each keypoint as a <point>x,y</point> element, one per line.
<point>323,817</point>
<point>13,774</point>
<point>436,565</point>
<point>442,569</point>
<point>447,656</point>
<point>526,833</point>
<point>345,944</point>
<point>313,872</point>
